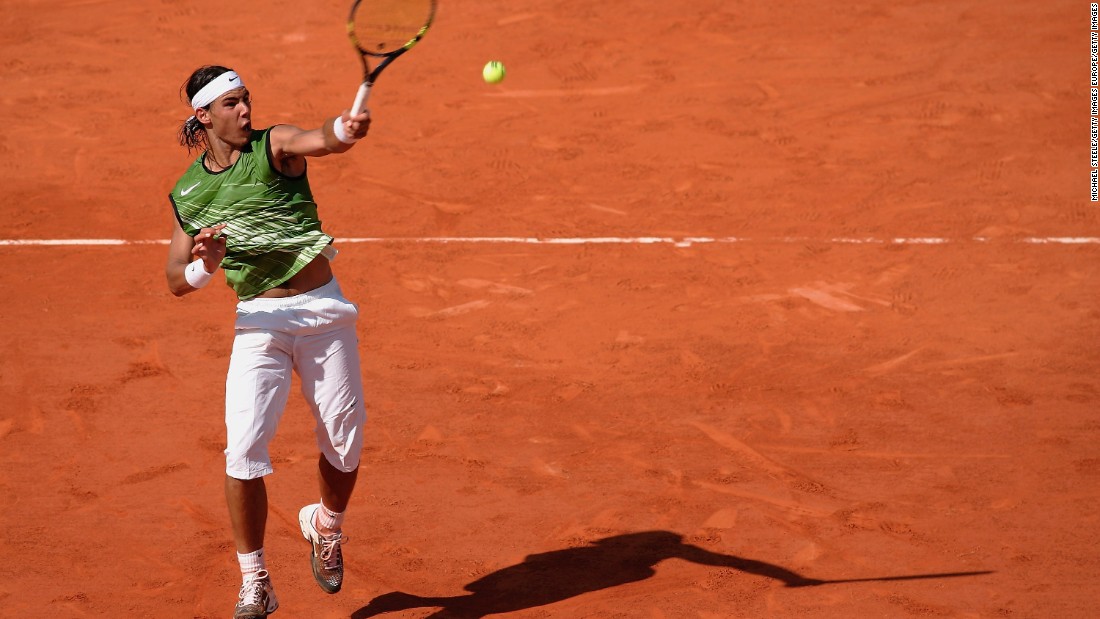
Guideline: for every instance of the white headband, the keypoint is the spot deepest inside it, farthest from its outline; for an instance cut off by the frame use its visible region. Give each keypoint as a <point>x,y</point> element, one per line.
<point>215,88</point>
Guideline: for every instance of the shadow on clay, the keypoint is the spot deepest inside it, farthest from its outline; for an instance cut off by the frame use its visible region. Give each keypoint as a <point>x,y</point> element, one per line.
<point>562,574</point>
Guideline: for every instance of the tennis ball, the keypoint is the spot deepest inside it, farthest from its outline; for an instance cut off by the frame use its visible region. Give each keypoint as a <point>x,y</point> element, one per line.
<point>493,72</point>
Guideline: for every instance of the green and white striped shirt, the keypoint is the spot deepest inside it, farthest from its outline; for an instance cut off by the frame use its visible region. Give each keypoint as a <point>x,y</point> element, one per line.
<point>271,219</point>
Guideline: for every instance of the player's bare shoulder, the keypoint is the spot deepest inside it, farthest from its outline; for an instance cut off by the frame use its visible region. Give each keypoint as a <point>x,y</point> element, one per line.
<point>279,136</point>
<point>284,148</point>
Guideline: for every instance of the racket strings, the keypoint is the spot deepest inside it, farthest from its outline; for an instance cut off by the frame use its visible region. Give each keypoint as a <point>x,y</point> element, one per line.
<point>385,26</point>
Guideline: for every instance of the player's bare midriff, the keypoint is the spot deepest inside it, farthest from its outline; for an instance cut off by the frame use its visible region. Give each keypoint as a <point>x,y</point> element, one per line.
<point>313,276</point>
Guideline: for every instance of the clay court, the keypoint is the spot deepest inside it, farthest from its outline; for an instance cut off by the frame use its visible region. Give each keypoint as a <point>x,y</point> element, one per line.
<point>710,309</point>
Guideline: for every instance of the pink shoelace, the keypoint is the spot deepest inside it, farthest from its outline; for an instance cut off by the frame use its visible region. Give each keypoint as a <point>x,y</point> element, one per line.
<point>329,544</point>
<point>252,590</point>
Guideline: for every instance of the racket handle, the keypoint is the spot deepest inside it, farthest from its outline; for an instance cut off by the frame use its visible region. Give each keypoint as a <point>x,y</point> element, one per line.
<point>360,99</point>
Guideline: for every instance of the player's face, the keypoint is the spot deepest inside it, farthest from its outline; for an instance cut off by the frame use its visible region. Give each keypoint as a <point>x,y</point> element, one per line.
<point>231,115</point>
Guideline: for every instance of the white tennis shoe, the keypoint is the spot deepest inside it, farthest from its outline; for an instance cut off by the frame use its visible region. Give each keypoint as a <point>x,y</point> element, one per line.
<point>257,597</point>
<point>325,557</point>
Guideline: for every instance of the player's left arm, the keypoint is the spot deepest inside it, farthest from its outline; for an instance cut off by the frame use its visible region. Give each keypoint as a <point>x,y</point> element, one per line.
<point>288,141</point>
<point>208,246</point>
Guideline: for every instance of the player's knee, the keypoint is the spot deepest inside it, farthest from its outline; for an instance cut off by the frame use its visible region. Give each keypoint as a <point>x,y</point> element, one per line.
<point>342,448</point>
<point>344,463</point>
<point>248,463</point>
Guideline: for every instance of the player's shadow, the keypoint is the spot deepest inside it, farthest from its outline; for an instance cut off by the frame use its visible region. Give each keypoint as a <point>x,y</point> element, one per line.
<point>562,574</point>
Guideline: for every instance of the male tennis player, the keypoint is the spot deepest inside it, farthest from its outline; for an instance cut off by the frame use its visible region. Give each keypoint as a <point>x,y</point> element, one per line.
<point>245,206</point>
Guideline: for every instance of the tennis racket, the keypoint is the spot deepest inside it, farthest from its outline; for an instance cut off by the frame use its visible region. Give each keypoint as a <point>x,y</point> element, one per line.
<point>382,30</point>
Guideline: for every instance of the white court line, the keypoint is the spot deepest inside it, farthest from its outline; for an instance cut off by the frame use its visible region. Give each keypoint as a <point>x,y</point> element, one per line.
<point>609,240</point>
<point>64,242</point>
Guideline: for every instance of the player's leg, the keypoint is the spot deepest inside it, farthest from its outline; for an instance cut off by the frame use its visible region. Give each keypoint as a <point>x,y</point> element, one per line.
<point>328,364</point>
<point>247,501</point>
<point>336,487</point>
<point>334,391</point>
<point>257,386</point>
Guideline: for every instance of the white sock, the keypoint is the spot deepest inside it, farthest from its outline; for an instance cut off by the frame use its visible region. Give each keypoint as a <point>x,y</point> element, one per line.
<point>328,521</point>
<point>251,562</point>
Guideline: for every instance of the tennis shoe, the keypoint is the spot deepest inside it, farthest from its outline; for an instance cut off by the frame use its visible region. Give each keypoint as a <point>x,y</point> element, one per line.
<point>257,598</point>
<point>326,558</point>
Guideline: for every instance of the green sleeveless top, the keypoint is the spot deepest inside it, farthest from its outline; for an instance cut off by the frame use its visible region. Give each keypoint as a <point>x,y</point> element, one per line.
<point>272,226</point>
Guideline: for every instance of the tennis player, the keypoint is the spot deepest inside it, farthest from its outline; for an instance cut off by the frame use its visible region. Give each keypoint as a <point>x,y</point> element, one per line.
<point>245,206</point>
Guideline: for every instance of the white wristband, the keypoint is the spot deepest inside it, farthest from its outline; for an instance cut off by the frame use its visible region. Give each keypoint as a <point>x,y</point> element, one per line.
<point>196,274</point>
<point>338,129</point>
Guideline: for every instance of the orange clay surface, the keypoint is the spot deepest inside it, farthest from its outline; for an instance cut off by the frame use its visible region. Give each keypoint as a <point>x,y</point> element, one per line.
<point>595,430</point>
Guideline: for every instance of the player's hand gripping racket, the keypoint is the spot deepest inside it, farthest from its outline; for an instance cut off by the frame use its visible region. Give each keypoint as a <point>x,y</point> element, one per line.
<point>385,29</point>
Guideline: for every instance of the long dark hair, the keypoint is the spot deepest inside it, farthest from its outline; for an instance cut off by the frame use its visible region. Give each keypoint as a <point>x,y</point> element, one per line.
<point>191,133</point>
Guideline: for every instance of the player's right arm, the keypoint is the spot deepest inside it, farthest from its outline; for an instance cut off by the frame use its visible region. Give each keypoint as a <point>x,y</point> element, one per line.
<point>288,141</point>
<point>183,249</point>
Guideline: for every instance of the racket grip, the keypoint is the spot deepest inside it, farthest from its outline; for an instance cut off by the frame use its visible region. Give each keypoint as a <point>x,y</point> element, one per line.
<point>360,99</point>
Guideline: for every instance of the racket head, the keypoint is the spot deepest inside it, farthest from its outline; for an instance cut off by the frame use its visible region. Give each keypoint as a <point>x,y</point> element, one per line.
<point>389,27</point>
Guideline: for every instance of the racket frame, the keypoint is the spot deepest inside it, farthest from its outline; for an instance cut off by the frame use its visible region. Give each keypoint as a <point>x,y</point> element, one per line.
<point>370,75</point>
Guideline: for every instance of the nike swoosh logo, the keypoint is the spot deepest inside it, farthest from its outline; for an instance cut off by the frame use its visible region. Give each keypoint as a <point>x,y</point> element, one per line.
<point>188,190</point>
<point>233,79</point>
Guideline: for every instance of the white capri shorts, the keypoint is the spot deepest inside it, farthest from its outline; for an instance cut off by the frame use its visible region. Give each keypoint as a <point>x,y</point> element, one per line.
<point>312,334</point>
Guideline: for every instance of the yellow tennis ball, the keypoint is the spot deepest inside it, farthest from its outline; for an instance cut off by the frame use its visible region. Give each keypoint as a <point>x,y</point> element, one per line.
<point>493,72</point>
